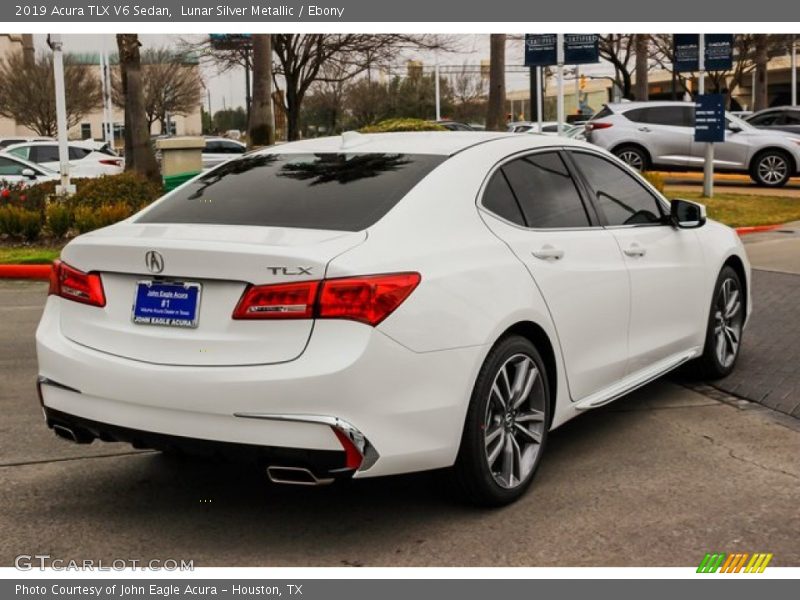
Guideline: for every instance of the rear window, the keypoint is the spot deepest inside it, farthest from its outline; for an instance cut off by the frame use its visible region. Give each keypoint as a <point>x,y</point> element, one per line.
<point>343,192</point>
<point>604,112</point>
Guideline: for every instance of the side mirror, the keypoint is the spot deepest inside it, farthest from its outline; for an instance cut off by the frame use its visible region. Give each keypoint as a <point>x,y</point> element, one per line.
<point>29,173</point>
<point>734,128</point>
<point>684,214</point>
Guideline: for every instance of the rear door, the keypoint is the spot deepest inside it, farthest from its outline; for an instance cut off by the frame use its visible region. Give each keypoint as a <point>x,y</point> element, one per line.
<point>666,131</point>
<point>539,212</point>
<point>732,154</point>
<point>665,265</point>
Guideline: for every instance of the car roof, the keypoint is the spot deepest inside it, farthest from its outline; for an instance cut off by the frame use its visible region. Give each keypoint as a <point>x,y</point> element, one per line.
<point>777,109</point>
<point>624,106</point>
<point>46,143</point>
<point>444,143</point>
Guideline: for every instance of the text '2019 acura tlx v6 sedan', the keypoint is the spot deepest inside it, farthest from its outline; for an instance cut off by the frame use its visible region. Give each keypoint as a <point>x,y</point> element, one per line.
<point>368,305</point>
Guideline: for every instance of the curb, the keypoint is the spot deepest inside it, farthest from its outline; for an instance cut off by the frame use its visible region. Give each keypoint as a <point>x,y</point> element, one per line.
<point>757,229</point>
<point>25,271</point>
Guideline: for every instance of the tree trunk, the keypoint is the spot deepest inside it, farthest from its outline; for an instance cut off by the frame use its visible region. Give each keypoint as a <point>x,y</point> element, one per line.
<point>139,156</point>
<point>761,60</point>
<point>28,50</point>
<point>642,55</point>
<point>496,117</point>
<point>292,109</point>
<point>261,128</point>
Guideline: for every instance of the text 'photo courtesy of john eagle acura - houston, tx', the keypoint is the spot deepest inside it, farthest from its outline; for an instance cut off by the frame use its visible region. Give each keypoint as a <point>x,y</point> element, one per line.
<point>375,304</point>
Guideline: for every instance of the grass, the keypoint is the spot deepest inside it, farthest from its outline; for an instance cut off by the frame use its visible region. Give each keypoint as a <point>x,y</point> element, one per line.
<point>28,255</point>
<point>742,210</point>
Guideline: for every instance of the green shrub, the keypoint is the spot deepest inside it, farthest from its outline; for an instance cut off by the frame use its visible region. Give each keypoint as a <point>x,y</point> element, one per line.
<point>88,218</point>
<point>19,222</point>
<point>130,189</point>
<point>59,219</point>
<point>393,125</point>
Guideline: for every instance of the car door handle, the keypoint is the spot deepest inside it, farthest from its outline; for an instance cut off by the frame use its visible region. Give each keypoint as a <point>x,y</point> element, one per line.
<point>645,129</point>
<point>635,250</point>
<point>548,252</point>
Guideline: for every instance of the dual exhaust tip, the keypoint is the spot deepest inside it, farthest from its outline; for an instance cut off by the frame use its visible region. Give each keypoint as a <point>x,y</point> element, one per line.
<point>276,473</point>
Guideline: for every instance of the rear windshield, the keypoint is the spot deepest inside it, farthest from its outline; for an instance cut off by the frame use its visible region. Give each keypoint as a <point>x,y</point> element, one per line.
<point>344,192</point>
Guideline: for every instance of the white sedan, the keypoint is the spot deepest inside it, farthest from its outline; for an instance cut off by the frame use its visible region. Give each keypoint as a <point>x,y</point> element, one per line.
<point>15,170</point>
<point>85,159</point>
<point>368,305</point>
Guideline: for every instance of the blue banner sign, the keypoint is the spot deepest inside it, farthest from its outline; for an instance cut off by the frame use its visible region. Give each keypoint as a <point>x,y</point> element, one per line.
<point>540,50</point>
<point>718,51</point>
<point>581,48</point>
<point>709,118</point>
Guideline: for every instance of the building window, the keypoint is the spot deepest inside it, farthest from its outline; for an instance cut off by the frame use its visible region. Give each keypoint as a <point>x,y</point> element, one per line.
<point>86,131</point>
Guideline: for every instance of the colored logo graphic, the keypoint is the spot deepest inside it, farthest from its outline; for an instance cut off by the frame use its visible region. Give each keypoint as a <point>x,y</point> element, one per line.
<point>739,562</point>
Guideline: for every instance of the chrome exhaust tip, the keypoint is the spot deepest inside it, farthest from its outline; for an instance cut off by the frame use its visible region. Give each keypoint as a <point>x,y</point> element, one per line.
<point>72,435</point>
<point>295,476</point>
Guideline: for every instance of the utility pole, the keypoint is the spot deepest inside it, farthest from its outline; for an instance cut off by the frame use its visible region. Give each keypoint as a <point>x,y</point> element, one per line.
<point>55,42</point>
<point>708,165</point>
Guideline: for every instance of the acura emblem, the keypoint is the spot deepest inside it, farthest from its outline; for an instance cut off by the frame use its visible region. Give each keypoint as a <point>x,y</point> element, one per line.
<point>154,261</point>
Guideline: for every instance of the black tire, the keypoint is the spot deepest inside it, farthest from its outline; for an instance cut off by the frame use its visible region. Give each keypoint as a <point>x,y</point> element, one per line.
<point>709,365</point>
<point>473,477</point>
<point>633,156</point>
<point>771,168</point>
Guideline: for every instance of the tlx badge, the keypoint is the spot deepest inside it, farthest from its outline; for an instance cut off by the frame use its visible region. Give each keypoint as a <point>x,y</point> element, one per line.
<point>290,270</point>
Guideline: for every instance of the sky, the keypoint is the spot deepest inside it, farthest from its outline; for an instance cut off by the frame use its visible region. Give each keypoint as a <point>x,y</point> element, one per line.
<point>228,89</point>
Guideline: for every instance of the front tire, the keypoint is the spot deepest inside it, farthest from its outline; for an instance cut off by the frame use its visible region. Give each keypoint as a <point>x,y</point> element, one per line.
<point>771,169</point>
<point>634,156</point>
<point>724,329</point>
<point>506,426</point>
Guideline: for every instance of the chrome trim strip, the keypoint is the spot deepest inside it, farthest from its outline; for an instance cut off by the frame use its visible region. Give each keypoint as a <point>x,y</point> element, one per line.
<point>41,380</point>
<point>360,441</point>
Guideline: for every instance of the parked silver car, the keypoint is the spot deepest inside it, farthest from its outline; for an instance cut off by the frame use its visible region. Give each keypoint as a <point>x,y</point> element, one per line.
<point>650,135</point>
<point>781,118</point>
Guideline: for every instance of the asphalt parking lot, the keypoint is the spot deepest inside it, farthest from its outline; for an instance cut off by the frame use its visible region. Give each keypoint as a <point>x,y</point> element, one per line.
<point>658,478</point>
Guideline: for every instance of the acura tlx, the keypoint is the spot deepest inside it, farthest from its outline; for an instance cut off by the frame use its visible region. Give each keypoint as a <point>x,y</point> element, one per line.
<point>368,305</point>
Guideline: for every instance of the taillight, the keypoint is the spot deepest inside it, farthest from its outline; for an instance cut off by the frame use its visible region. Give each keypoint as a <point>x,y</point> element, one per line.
<point>72,284</point>
<point>369,299</point>
<point>281,301</point>
<point>591,126</point>
<point>114,162</point>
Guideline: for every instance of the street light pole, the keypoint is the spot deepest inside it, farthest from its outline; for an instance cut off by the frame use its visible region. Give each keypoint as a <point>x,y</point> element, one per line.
<point>794,71</point>
<point>560,82</point>
<point>708,165</point>
<point>56,44</point>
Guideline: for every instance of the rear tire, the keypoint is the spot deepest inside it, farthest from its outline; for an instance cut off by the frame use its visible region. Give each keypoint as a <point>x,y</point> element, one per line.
<point>724,329</point>
<point>506,426</point>
<point>633,156</point>
<point>771,168</point>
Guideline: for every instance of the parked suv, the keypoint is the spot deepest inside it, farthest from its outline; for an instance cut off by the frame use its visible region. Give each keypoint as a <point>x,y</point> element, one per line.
<point>661,135</point>
<point>781,118</point>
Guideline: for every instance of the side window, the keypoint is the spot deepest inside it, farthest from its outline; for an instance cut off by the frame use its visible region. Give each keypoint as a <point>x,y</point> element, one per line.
<point>76,153</point>
<point>637,115</point>
<point>791,118</point>
<point>22,152</point>
<point>10,167</point>
<point>667,115</point>
<point>546,191</point>
<point>764,120</point>
<point>212,148</point>
<point>43,154</point>
<point>232,148</point>
<point>622,199</point>
<point>498,198</point>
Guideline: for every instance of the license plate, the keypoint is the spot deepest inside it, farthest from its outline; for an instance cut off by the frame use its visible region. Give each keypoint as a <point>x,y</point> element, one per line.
<point>172,304</point>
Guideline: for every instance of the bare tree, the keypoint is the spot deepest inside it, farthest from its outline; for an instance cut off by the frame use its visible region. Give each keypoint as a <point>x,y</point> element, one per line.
<point>27,91</point>
<point>618,49</point>
<point>761,60</point>
<point>260,129</point>
<point>495,112</point>
<point>139,156</point>
<point>642,65</point>
<point>171,85</point>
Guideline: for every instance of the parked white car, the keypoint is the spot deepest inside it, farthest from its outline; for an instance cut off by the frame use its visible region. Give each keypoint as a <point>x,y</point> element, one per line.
<point>84,159</point>
<point>367,305</point>
<point>5,142</point>
<point>16,170</point>
<point>218,150</point>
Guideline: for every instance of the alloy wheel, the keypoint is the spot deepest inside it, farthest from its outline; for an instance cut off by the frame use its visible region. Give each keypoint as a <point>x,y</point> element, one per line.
<point>728,319</point>
<point>772,169</point>
<point>632,158</point>
<point>514,421</point>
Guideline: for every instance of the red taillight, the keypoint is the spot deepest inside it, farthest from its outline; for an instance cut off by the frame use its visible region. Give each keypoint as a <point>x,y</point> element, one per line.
<point>114,162</point>
<point>369,299</point>
<point>592,125</point>
<point>352,455</point>
<point>72,284</point>
<point>281,301</point>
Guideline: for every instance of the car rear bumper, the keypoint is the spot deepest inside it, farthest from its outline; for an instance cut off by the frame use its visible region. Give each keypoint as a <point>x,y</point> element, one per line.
<point>409,407</point>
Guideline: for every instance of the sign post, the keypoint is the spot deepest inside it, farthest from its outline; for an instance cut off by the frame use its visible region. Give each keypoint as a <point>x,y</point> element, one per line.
<point>709,127</point>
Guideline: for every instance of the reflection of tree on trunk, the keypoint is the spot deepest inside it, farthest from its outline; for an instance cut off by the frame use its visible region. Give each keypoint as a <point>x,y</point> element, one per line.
<point>343,168</point>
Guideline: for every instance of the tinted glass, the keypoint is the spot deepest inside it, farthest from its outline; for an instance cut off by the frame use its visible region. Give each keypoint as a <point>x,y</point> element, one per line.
<point>22,152</point>
<point>678,116</point>
<point>47,153</point>
<point>637,115</point>
<point>10,167</point>
<point>76,153</point>
<point>345,192</point>
<point>5,143</point>
<point>622,199</point>
<point>546,192</point>
<point>791,118</point>
<point>499,199</point>
<point>232,148</point>
<point>604,112</point>
<point>213,147</point>
<point>766,119</point>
